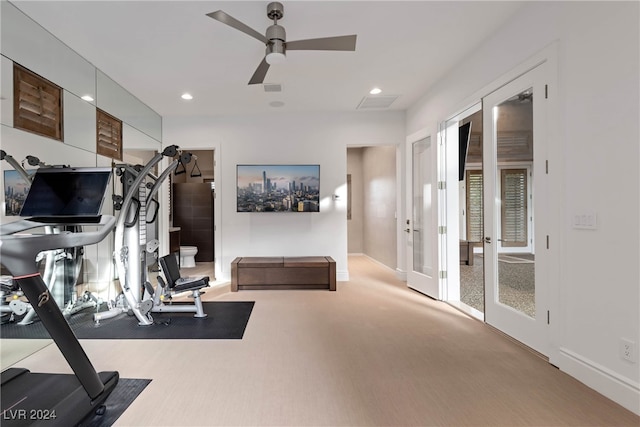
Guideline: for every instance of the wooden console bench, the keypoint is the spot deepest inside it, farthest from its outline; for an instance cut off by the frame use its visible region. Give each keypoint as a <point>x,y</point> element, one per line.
<point>252,273</point>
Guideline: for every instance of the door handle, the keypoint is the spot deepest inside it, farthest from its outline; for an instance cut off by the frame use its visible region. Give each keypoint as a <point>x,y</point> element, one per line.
<point>408,230</point>
<point>487,239</point>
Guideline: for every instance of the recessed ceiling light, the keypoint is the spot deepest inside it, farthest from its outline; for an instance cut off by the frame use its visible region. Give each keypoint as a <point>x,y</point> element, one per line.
<point>87,98</point>
<point>276,104</point>
<point>187,96</point>
<point>375,91</point>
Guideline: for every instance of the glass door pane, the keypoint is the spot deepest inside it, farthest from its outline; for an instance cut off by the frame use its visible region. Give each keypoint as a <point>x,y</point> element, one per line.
<point>513,120</point>
<point>421,186</point>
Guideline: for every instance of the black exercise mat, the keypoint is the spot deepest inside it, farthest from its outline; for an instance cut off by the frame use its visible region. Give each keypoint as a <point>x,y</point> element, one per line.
<point>118,401</point>
<point>225,320</point>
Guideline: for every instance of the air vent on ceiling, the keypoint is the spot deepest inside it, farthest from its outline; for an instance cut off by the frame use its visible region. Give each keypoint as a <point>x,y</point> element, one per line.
<point>376,102</point>
<point>272,87</point>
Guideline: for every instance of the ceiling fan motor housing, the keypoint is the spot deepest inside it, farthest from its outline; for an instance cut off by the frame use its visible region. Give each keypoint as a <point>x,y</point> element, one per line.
<point>276,32</point>
<point>275,51</point>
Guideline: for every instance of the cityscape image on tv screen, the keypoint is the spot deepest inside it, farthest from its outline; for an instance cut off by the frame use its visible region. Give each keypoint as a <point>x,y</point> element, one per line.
<point>278,188</point>
<point>15,191</point>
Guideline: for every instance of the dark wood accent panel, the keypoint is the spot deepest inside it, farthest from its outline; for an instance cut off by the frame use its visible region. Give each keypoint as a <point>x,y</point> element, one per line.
<point>37,104</point>
<point>283,273</point>
<point>310,262</point>
<point>174,241</point>
<point>193,213</point>
<point>283,276</point>
<point>281,287</point>
<point>259,262</point>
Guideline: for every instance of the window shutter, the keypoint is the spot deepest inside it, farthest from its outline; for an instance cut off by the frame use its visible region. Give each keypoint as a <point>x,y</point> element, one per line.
<point>109,135</point>
<point>37,104</point>
<point>475,225</point>
<point>514,207</point>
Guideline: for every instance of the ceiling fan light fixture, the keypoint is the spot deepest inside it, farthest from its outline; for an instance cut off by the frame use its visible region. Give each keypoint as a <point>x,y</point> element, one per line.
<point>275,53</point>
<point>275,58</point>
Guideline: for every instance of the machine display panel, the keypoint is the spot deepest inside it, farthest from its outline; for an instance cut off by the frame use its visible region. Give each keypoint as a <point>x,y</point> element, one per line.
<point>67,192</point>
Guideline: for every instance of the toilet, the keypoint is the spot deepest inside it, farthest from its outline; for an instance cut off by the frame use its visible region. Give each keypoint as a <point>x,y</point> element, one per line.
<point>187,256</point>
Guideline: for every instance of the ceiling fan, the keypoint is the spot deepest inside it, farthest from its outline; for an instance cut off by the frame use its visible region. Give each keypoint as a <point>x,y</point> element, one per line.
<point>276,41</point>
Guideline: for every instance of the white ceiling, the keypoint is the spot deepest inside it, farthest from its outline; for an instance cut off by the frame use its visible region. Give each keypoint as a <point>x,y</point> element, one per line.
<point>160,49</point>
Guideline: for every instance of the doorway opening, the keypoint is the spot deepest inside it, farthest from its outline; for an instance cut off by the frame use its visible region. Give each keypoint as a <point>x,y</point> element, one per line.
<point>371,203</point>
<point>516,254</point>
<point>192,197</point>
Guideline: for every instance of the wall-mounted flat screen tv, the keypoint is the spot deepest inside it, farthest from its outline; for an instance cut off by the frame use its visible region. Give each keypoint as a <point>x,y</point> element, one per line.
<point>278,188</point>
<point>464,135</point>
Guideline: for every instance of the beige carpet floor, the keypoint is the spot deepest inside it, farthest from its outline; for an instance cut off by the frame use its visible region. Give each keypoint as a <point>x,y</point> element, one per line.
<point>374,353</point>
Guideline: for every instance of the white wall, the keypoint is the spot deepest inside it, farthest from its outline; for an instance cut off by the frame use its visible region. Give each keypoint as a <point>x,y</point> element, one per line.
<point>298,138</point>
<point>379,176</point>
<point>596,288</point>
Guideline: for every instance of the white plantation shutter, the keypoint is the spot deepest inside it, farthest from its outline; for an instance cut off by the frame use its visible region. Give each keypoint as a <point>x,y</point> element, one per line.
<point>514,207</point>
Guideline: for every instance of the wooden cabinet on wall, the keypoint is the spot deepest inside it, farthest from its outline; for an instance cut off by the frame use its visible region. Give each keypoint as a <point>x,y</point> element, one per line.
<point>193,213</point>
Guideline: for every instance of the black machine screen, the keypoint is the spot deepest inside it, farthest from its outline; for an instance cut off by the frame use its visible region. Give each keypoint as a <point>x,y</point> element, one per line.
<point>67,192</point>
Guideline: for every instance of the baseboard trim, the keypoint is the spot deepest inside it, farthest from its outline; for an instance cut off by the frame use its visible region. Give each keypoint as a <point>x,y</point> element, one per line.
<point>342,276</point>
<point>401,275</point>
<point>378,262</point>
<point>620,389</point>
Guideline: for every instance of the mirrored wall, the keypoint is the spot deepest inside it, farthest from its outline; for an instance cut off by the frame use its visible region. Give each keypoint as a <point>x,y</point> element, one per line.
<point>84,89</point>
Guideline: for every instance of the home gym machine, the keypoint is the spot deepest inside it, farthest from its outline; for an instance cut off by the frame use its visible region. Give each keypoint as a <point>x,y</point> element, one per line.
<point>41,398</point>
<point>140,298</point>
<point>62,267</point>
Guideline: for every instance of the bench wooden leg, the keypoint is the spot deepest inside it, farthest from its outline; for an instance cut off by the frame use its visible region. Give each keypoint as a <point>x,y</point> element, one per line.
<point>234,274</point>
<point>332,274</point>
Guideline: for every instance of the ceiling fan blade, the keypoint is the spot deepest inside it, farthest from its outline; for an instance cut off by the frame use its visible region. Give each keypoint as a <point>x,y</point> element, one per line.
<point>326,43</point>
<point>260,73</point>
<point>233,22</point>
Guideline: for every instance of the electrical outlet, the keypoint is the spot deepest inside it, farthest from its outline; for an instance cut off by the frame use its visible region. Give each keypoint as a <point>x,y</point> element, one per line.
<point>628,350</point>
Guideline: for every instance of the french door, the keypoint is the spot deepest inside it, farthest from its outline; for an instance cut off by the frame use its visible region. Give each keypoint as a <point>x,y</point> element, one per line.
<point>515,205</point>
<point>419,227</point>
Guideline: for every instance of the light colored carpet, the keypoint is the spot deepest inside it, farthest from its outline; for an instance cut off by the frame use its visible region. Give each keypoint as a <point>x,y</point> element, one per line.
<point>374,353</point>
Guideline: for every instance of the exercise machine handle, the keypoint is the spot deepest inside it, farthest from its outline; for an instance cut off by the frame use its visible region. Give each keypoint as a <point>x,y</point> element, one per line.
<point>19,251</point>
<point>156,208</point>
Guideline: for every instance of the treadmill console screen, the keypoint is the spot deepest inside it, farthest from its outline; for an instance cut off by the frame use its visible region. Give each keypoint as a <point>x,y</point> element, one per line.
<point>64,192</point>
